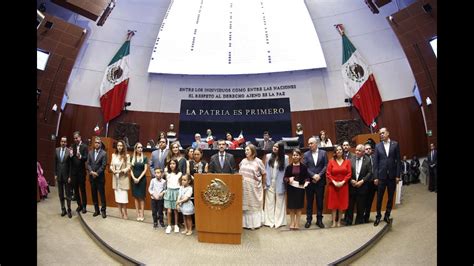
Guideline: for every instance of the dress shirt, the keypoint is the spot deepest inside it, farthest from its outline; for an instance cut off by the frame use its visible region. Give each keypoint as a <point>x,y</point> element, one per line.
<point>386,145</point>
<point>358,166</point>
<point>315,156</point>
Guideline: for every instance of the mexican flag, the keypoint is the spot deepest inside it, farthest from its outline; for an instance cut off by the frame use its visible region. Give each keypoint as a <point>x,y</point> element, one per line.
<point>359,82</point>
<point>115,82</point>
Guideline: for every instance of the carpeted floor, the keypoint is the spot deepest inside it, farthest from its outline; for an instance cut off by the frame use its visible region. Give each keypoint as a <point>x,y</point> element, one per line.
<point>412,239</point>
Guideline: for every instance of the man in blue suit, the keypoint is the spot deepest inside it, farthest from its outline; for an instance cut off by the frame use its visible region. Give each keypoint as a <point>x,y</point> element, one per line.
<point>387,165</point>
<point>316,161</point>
<point>158,157</point>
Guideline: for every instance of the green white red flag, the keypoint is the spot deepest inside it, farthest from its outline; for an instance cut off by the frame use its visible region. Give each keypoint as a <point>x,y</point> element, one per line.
<point>359,82</point>
<point>115,82</point>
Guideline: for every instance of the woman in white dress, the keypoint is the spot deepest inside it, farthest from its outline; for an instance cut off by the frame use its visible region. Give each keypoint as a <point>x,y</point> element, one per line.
<point>120,166</point>
<point>253,176</point>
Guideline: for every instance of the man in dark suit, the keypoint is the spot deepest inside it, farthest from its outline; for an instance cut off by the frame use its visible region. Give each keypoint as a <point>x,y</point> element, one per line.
<point>96,162</point>
<point>432,162</point>
<point>405,171</point>
<point>222,162</point>
<point>347,154</point>
<point>371,187</point>
<point>62,175</point>
<point>386,172</point>
<point>266,143</point>
<point>316,161</point>
<point>158,157</point>
<point>78,156</point>
<point>361,177</point>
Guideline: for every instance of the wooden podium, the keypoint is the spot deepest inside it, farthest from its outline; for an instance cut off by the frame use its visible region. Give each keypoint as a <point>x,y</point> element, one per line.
<point>218,208</point>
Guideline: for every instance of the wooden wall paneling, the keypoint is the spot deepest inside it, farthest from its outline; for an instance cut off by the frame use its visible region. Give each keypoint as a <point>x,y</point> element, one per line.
<point>52,82</point>
<point>414,27</point>
<point>402,117</point>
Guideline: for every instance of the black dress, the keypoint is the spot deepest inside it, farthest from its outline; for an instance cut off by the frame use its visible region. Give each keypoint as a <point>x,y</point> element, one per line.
<point>296,195</point>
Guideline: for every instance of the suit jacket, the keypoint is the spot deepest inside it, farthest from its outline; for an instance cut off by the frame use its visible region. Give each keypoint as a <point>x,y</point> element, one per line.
<point>387,167</point>
<point>120,180</point>
<point>156,163</point>
<point>316,168</point>
<point>97,165</point>
<point>215,165</point>
<point>270,144</point>
<point>78,166</point>
<point>62,168</point>
<point>432,162</point>
<point>349,155</point>
<point>403,165</point>
<point>279,185</point>
<point>365,174</point>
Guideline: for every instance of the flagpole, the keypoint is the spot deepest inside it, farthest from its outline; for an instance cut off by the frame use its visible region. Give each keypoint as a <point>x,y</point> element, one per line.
<point>424,118</point>
<point>106,129</point>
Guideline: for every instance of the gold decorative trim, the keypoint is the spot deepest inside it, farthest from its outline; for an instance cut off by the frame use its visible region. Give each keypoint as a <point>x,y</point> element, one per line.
<point>217,195</point>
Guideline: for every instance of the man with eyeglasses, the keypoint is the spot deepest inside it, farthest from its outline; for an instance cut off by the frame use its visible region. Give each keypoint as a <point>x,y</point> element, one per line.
<point>96,162</point>
<point>316,161</point>
<point>222,161</point>
<point>158,157</point>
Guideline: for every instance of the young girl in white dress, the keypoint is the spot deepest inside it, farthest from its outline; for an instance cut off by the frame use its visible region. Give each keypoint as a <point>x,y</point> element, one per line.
<point>185,205</point>
<point>171,195</point>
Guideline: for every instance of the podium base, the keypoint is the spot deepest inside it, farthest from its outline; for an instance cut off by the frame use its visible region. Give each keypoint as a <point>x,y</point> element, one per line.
<point>220,238</point>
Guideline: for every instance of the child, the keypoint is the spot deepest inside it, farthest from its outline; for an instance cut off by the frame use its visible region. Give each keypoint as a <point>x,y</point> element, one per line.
<point>157,190</point>
<point>185,205</point>
<point>171,194</point>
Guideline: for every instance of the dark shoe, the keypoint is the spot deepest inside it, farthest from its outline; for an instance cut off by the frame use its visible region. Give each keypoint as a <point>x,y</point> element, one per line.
<point>307,224</point>
<point>96,213</point>
<point>155,226</point>
<point>377,221</point>
<point>78,209</point>
<point>348,223</point>
<point>63,212</point>
<point>104,215</point>
<point>69,213</point>
<point>387,220</point>
<point>84,210</point>
<point>320,224</point>
<point>162,224</point>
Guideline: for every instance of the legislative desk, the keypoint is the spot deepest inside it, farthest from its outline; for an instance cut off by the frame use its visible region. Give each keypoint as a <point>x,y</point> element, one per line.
<point>239,154</point>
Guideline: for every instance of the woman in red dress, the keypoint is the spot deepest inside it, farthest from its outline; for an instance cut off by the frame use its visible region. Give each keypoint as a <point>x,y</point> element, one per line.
<point>338,174</point>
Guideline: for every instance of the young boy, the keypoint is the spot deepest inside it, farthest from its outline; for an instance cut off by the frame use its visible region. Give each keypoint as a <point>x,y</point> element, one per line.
<point>157,190</point>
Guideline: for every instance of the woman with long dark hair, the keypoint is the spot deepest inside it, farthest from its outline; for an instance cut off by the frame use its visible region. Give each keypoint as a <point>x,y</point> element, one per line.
<point>275,199</point>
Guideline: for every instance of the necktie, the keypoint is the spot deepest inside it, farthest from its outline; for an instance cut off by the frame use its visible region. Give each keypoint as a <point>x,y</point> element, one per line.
<point>160,155</point>
<point>432,153</point>
<point>222,160</point>
<point>62,154</point>
<point>95,155</point>
<point>357,168</point>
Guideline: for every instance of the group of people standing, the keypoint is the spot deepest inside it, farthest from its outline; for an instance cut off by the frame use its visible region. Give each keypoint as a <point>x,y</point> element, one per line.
<point>352,180</point>
<point>70,168</point>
